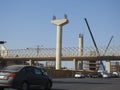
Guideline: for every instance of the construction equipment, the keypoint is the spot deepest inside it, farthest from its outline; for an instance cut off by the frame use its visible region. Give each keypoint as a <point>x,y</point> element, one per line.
<point>98,54</point>
<point>108,45</point>
<point>106,51</point>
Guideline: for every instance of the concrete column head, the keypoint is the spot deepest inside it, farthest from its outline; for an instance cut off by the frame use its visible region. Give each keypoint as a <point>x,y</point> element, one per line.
<point>60,22</point>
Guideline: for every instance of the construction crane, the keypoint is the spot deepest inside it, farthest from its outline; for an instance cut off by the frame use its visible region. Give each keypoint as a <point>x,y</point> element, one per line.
<point>108,45</point>
<point>98,54</point>
<point>101,62</point>
<point>106,51</point>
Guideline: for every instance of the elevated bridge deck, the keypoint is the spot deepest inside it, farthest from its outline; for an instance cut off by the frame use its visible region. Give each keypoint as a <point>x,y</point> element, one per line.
<point>69,53</point>
<point>70,58</point>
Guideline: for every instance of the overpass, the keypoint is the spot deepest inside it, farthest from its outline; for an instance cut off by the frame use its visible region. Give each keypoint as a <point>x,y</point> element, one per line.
<point>68,54</point>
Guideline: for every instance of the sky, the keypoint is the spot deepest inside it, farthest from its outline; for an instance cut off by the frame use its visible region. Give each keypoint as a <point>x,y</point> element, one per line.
<point>27,23</point>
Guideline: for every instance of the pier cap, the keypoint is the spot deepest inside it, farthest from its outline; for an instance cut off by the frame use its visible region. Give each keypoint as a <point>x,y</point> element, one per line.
<point>60,22</point>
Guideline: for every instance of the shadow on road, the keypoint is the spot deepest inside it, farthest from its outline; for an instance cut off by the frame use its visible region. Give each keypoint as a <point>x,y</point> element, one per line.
<point>69,82</point>
<point>58,89</point>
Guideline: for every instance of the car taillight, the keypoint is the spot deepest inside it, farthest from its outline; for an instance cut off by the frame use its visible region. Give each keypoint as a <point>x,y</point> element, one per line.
<point>11,75</point>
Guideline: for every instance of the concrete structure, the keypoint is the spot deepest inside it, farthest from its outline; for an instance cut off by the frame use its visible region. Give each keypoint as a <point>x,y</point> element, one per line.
<point>59,23</point>
<point>80,44</point>
<point>3,50</point>
<point>107,66</point>
<point>80,50</point>
<point>75,64</point>
<point>68,54</point>
<point>115,66</point>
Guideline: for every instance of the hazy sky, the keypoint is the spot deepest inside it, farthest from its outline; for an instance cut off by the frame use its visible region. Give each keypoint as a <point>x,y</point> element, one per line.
<point>27,23</point>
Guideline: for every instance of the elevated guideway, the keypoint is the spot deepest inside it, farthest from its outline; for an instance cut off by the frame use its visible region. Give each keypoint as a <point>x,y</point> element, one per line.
<point>69,53</point>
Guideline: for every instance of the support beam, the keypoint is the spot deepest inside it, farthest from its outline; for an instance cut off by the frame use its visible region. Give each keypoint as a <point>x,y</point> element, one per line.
<point>75,64</point>
<point>30,62</point>
<point>107,66</point>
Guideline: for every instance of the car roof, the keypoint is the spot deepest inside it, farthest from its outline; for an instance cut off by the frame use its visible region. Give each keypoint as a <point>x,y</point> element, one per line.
<point>17,66</point>
<point>13,67</point>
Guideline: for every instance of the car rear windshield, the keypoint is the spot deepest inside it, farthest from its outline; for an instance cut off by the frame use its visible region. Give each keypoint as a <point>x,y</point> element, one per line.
<point>12,68</point>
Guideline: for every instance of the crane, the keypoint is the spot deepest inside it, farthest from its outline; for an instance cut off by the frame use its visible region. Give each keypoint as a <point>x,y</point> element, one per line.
<point>108,45</point>
<point>101,62</point>
<point>98,54</point>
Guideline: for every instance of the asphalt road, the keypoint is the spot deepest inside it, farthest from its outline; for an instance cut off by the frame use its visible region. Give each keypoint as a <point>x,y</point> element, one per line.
<point>85,84</point>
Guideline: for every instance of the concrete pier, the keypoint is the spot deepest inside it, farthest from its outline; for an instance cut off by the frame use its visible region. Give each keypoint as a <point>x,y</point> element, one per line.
<point>59,23</point>
<point>80,50</point>
<point>80,44</point>
<point>75,64</point>
<point>107,66</point>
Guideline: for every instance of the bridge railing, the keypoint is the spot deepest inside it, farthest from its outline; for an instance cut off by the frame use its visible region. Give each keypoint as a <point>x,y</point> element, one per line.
<point>68,51</point>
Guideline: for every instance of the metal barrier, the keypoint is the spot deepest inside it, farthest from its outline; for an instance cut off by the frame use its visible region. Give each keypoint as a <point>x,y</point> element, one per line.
<point>66,52</point>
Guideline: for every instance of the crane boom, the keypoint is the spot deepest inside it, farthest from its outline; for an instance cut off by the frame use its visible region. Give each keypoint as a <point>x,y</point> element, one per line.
<point>108,45</point>
<point>92,37</point>
<point>94,43</point>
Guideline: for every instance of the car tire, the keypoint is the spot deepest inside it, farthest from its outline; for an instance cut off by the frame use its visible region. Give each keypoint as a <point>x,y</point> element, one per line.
<point>1,88</point>
<point>24,86</point>
<point>48,87</point>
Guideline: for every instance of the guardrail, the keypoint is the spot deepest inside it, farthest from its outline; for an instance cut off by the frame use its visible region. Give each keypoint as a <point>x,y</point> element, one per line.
<point>66,52</point>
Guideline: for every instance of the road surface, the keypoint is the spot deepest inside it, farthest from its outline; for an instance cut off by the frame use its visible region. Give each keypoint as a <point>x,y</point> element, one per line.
<point>85,84</point>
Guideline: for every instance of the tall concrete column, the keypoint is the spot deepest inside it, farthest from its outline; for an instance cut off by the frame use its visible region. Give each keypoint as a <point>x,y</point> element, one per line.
<point>75,64</point>
<point>80,50</point>
<point>80,45</point>
<point>107,65</point>
<point>59,23</point>
<point>58,47</point>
